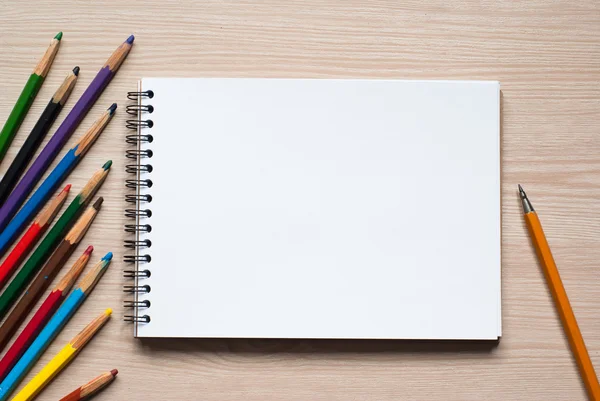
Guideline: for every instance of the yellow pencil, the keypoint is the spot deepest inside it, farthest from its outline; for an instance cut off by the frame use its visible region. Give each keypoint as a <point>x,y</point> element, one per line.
<point>565,312</point>
<point>70,351</point>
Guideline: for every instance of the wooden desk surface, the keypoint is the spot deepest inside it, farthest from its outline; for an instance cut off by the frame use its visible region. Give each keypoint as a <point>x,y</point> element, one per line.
<point>546,56</point>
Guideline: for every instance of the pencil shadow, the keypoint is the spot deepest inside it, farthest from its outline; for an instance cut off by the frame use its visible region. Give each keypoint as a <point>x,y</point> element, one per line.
<point>304,346</point>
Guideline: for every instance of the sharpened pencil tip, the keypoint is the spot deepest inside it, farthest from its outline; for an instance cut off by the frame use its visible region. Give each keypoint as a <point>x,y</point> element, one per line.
<point>112,108</point>
<point>58,36</point>
<point>114,372</point>
<point>67,188</point>
<point>527,206</point>
<point>108,256</point>
<point>89,250</point>
<point>130,39</point>
<point>108,312</point>
<point>98,203</point>
<point>76,70</point>
<point>107,165</point>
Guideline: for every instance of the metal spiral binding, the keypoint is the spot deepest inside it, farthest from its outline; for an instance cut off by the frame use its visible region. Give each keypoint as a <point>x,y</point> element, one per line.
<point>141,213</point>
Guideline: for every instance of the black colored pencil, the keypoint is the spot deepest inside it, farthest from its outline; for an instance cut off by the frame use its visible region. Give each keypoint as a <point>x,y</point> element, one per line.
<point>37,135</point>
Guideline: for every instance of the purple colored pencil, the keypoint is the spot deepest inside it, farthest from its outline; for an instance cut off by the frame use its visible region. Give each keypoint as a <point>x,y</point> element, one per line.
<point>63,133</point>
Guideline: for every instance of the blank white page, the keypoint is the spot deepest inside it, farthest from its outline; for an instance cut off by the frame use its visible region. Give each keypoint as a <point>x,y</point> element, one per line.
<point>301,208</point>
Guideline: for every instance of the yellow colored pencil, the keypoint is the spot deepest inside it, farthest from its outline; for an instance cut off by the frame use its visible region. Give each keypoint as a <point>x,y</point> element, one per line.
<point>68,353</point>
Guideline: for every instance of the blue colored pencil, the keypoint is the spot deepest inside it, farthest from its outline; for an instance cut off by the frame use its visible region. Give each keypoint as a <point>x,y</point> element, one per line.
<point>56,177</point>
<point>54,326</point>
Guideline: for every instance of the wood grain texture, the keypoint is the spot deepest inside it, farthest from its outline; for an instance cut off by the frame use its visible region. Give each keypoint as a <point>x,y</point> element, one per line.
<point>546,54</point>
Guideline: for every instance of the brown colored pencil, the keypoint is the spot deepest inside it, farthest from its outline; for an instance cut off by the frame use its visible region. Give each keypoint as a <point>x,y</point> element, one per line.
<point>91,388</point>
<point>52,267</point>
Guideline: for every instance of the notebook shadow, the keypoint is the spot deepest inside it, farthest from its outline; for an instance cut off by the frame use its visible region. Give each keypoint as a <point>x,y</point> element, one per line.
<point>304,346</point>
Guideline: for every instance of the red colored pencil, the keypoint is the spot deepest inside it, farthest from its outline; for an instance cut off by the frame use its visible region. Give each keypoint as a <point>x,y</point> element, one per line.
<point>41,317</point>
<point>31,237</point>
<point>90,389</point>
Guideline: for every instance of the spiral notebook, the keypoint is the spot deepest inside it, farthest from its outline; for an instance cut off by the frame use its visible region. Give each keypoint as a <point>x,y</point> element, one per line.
<point>314,208</point>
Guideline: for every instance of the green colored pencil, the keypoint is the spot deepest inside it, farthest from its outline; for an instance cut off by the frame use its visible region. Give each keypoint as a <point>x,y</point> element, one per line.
<point>38,258</point>
<point>33,85</point>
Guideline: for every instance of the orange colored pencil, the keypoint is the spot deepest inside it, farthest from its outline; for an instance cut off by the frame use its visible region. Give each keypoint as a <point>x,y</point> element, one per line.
<point>31,237</point>
<point>567,317</point>
<point>87,390</point>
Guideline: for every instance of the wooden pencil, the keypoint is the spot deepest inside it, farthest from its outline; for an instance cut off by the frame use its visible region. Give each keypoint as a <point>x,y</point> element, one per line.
<point>60,172</point>
<point>30,91</point>
<point>53,368</point>
<point>58,259</point>
<point>51,240</point>
<point>93,387</point>
<point>37,135</point>
<point>31,237</point>
<point>63,133</point>
<point>41,317</point>
<point>561,300</point>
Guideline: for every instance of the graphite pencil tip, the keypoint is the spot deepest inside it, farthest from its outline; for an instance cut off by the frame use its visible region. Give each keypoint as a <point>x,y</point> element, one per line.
<point>76,70</point>
<point>98,203</point>
<point>107,165</point>
<point>58,36</point>
<point>527,206</point>
<point>114,372</point>
<point>130,39</point>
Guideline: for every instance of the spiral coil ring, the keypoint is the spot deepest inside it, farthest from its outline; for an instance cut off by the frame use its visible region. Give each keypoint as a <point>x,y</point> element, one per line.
<point>135,168</point>
<point>136,154</point>
<point>140,214</point>
<point>135,124</point>
<point>137,109</point>
<point>137,319</point>
<point>137,258</point>
<point>132,244</point>
<point>135,139</point>
<point>138,198</point>
<point>134,184</point>
<point>137,304</point>
<point>137,273</point>
<point>141,289</point>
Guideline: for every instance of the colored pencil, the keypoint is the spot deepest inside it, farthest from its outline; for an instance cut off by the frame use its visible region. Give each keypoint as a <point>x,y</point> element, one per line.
<point>32,87</point>
<point>561,300</point>
<point>58,259</point>
<point>52,239</point>
<point>53,368</point>
<point>95,386</point>
<point>60,172</point>
<point>63,133</point>
<point>41,317</point>
<point>31,237</point>
<point>37,135</point>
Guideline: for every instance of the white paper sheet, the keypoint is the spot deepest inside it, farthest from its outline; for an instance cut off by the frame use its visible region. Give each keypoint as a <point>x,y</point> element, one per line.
<point>293,208</point>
